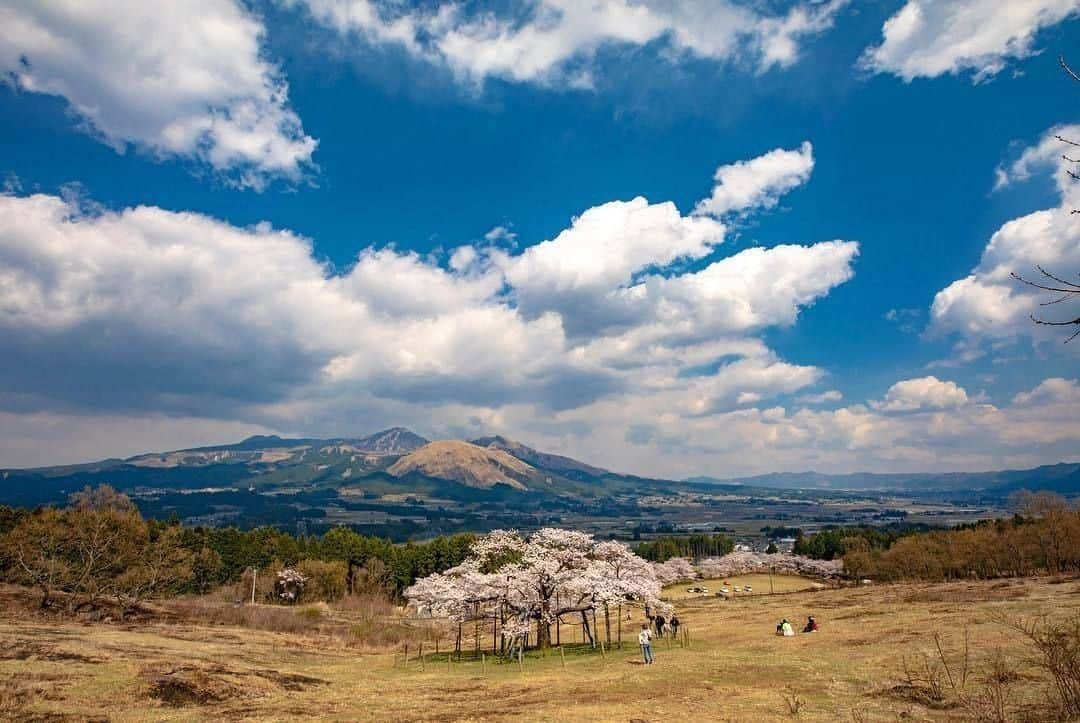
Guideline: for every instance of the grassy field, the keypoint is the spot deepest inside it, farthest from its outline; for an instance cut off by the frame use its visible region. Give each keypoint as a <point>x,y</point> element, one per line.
<point>760,584</point>
<point>735,669</point>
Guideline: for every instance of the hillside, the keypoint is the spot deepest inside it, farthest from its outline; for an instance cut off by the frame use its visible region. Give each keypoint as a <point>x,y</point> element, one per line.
<point>467,464</point>
<point>543,460</point>
<point>735,668</point>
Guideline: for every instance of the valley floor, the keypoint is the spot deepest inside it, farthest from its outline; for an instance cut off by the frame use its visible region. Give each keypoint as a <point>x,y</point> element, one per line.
<point>736,668</point>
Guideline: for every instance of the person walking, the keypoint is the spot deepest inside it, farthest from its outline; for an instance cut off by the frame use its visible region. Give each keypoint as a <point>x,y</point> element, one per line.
<point>660,622</point>
<point>674,623</point>
<point>644,639</point>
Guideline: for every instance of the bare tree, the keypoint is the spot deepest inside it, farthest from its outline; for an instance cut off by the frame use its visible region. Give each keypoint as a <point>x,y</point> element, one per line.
<point>1067,290</point>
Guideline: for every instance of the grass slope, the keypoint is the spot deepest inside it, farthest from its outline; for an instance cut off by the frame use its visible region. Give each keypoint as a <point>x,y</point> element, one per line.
<point>734,670</point>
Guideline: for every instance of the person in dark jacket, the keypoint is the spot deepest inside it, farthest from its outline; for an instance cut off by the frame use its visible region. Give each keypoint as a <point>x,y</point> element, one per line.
<point>811,625</point>
<point>660,623</point>
<point>674,623</point>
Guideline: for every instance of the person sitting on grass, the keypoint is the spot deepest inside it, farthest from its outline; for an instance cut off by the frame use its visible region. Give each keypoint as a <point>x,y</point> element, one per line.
<point>811,625</point>
<point>644,639</point>
<point>785,629</point>
<point>674,623</point>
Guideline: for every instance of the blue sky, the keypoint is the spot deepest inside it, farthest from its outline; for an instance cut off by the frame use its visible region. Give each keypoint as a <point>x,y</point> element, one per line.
<point>185,207</point>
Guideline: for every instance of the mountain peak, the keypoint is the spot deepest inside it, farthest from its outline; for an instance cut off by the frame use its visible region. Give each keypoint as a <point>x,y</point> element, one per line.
<point>466,463</point>
<point>395,440</point>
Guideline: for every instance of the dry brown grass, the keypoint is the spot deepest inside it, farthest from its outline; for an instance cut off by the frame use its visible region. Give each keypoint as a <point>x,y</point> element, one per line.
<point>736,669</point>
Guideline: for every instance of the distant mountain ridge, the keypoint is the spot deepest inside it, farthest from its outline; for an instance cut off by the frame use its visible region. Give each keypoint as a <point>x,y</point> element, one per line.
<point>397,461</point>
<point>544,460</point>
<point>1063,478</point>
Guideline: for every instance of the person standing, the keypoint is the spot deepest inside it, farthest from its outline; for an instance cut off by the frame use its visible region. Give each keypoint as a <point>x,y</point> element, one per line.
<point>660,622</point>
<point>644,639</point>
<point>674,623</point>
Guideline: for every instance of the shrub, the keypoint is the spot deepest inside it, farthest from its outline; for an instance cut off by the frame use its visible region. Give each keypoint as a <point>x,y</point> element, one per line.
<point>323,580</point>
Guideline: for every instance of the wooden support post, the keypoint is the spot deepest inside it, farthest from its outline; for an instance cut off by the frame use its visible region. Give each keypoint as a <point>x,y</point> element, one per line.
<point>521,662</point>
<point>448,657</point>
<point>562,654</point>
<point>603,653</point>
<point>421,656</point>
<point>483,664</point>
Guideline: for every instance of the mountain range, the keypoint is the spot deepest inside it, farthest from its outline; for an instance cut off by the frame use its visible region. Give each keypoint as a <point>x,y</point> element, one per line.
<point>398,461</point>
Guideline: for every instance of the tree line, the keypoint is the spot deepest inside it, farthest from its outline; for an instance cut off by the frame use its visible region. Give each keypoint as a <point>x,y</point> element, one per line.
<point>831,542</point>
<point>695,547</point>
<point>1043,538</point>
<point>99,548</point>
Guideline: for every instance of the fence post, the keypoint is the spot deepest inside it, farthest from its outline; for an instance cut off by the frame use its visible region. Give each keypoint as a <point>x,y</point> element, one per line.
<point>421,656</point>
<point>562,654</point>
<point>603,653</point>
<point>483,664</point>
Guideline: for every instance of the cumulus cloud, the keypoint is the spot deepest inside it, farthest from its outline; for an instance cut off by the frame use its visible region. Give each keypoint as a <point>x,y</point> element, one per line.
<point>758,183</point>
<point>988,305</point>
<point>556,41</point>
<point>145,311</point>
<point>165,329</point>
<point>1038,427</point>
<point>924,393</point>
<point>928,38</point>
<point>182,78</point>
<point>832,395</point>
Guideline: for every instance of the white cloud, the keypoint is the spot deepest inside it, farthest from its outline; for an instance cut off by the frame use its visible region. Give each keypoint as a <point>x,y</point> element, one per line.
<point>177,78</point>
<point>581,271</point>
<point>928,38</point>
<point>145,311</point>
<point>920,394</point>
<point>145,328</point>
<point>833,395</point>
<point>988,304</point>
<point>758,183</point>
<point>555,41</point>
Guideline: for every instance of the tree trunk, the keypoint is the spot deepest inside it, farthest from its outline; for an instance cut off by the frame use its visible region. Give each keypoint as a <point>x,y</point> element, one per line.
<point>586,630</point>
<point>607,624</point>
<point>543,635</point>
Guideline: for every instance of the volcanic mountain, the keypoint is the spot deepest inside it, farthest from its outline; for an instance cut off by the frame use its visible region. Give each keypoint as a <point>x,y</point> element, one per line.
<point>543,460</point>
<point>467,464</point>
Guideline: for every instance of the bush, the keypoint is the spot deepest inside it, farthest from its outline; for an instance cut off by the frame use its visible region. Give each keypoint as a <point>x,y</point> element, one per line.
<point>324,580</point>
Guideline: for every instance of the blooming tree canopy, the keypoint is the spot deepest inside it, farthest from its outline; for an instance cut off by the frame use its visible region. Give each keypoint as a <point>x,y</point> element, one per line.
<point>677,569</point>
<point>737,563</point>
<point>537,580</point>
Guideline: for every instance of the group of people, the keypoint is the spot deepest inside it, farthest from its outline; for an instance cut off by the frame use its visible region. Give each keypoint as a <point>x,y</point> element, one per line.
<point>784,627</point>
<point>663,627</point>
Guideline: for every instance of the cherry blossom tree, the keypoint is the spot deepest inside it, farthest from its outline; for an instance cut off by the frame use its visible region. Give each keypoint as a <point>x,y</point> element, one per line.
<point>676,569</point>
<point>537,580</point>
<point>737,563</point>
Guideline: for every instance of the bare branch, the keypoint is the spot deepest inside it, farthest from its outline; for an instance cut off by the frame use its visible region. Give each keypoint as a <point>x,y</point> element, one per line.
<point>1022,280</point>
<point>1061,60</point>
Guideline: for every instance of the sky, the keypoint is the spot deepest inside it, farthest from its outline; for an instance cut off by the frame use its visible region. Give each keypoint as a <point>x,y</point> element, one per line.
<point>671,238</point>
